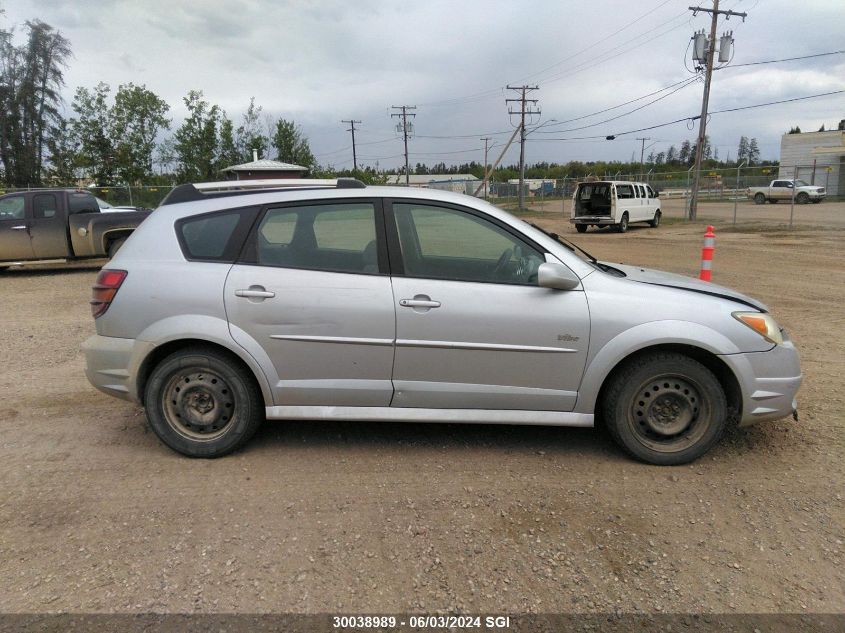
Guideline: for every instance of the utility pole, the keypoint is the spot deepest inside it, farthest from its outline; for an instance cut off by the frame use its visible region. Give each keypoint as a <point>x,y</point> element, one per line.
<point>523,110</point>
<point>702,121</point>
<point>405,130</point>
<point>642,153</point>
<point>486,140</point>
<point>352,123</point>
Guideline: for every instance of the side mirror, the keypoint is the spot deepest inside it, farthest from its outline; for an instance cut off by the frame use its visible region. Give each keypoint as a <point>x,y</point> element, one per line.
<point>556,276</point>
<point>656,194</point>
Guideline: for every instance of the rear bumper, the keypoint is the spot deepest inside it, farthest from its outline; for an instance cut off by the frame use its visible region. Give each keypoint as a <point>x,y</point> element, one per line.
<point>592,219</point>
<point>112,364</point>
<point>769,382</point>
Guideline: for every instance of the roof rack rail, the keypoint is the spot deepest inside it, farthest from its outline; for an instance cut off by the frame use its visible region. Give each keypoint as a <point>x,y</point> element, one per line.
<point>226,188</point>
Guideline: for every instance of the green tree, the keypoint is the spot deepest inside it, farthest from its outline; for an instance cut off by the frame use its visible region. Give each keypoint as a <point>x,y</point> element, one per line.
<point>685,152</point>
<point>136,120</point>
<point>63,149</point>
<point>227,150</point>
<point>196,142</point>
<point>31,76</point>
<point>249,136</point>
<point>794,130</point>
<point>753,152</point>
<point>92,127</point>
<point>291,145</point>
<point>742,149</point>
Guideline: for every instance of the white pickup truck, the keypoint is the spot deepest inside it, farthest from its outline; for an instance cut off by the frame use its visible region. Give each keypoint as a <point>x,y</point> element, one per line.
<point>782,190</point>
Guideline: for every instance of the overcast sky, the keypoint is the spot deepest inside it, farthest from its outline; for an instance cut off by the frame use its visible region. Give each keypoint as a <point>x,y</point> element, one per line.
<point>320,62</point>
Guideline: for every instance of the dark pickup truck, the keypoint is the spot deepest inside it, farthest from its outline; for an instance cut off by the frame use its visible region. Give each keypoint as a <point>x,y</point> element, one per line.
<point>60,224</point>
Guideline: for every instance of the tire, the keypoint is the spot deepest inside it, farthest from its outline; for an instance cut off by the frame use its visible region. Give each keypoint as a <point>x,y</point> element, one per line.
<point>802,198</point>
<point>759,198</point>
<point>114,246</point>
<point>202,403</point>
<point>656,221</point>
<point>581,228</point>
<point>674,424</point>
<point>773,201</point>
<point>622,227</point>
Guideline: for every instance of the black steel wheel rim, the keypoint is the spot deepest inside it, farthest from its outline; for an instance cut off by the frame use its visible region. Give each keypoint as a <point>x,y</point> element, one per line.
<point>667,413</point>
<point>199,404</point>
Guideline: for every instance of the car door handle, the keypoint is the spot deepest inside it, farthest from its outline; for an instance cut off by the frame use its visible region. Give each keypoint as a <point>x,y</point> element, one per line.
<point>419,303</point>
<point>22,227</point>
<point>255,292</point>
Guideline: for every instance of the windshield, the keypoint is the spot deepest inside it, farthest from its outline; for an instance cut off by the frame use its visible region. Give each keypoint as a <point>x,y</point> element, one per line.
<point>801,183</point>
<point>102,203</point>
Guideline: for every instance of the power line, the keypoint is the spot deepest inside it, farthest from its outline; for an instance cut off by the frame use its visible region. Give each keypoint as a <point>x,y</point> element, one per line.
<point>777,61</point>
<point>690,118</point>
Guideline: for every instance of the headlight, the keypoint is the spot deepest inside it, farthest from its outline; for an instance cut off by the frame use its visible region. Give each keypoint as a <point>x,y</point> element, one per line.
<point>761,323</point>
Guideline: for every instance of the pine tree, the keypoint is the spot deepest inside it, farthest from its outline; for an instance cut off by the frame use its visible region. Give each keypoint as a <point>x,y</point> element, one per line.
<point>753,152</point>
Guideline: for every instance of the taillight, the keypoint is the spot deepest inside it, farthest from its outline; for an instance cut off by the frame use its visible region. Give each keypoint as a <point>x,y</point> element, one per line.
<point>104,289</point>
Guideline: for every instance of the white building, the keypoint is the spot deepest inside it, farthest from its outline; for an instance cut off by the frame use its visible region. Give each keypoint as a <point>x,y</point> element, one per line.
<point>816,157</point>
<point>459,183</point>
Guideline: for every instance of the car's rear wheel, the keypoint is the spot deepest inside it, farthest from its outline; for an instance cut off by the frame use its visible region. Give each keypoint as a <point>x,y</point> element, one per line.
<point>202,403</point>
<point>114,246</point>
<point>759,198</point>
<point>581,228</point>
<point>622,227</point>
<point>656,221</point>
<point>665,409</point>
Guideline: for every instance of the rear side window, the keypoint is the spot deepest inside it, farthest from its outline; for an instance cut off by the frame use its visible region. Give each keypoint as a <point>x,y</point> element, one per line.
<point>82,203</point>
<point>215,236</point>
<point>624,191</point>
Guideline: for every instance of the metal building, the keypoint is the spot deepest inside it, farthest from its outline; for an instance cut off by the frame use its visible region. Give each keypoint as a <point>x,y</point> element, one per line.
<point>819,158</point>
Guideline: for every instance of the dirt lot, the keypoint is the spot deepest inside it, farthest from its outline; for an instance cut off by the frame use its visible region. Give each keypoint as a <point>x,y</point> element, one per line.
<point>96,515</point>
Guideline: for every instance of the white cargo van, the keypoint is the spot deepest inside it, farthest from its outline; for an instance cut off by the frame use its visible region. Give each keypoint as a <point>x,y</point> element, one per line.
<point>614,203</point>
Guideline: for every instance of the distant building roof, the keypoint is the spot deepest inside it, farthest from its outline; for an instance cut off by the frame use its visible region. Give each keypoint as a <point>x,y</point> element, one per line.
<point>265,165</point>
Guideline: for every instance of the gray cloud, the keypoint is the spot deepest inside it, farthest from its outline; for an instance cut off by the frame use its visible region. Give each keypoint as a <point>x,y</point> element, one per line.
<point>321,62</point>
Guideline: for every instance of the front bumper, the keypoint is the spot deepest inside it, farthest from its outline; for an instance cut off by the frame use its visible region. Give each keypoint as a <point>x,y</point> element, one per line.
<point>769,382</point>
<point>112,364</point>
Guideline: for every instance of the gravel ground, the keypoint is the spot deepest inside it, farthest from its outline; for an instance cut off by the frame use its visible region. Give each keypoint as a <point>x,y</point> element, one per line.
<point>97,516</point>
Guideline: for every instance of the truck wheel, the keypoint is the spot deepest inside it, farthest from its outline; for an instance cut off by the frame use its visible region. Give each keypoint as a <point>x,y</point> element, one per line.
<point>759,198</point>
<point>656,221</point>
<point>802,198</point>
<point>581,228</point>
<point>622,227</point>
<point>114,246</point>
<point>201,403</point>
<point>665,409</point>
<point>773,200</point>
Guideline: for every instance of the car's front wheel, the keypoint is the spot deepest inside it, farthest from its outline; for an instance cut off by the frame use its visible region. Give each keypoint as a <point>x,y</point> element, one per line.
<point>665,408</point>
<point>202,403</point>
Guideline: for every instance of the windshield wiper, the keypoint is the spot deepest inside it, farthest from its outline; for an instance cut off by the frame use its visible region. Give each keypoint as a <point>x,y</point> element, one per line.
<point>570,245</point>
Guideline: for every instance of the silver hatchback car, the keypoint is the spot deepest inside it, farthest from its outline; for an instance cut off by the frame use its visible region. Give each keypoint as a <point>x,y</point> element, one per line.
<point>310,300</point>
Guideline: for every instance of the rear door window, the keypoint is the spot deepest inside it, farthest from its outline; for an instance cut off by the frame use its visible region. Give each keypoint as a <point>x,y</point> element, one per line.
<point>12,208</point>
<point>44,206</point>
<point>335,237</point>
